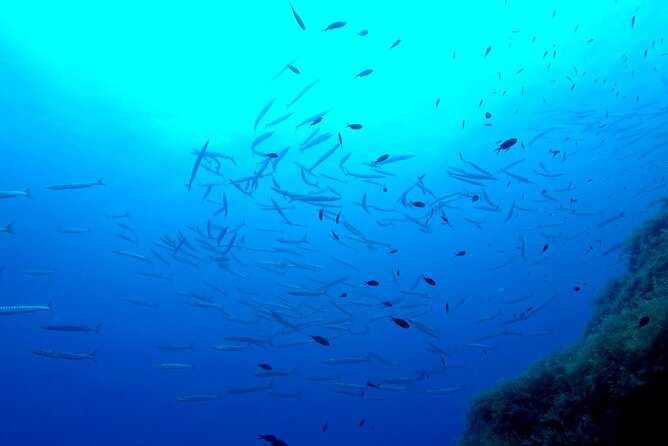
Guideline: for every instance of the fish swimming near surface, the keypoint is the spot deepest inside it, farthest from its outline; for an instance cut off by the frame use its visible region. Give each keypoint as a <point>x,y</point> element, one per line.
<point>335,25</point>
<point>264,111</point>
<point>364,73</point>
<point>505,145</point>
<point>198,161</point>
<point>302,93</point>
<point>299,20</point>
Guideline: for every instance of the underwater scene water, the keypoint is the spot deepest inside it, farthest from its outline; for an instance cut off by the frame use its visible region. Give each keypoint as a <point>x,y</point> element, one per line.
<point>310,223</point>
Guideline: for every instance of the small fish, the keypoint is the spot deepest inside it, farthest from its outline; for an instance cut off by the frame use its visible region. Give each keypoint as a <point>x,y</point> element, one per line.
<point>505,145</point>
<point>489,48</point>
<point>381,158</point>
<point>338,217</point>
<point>364,32</point>
<point>343,295</point>
<point>372,385</point>
<point>417,204</point>
<point>396,42</point>
<point>643,321</point>
<point>394,251</point>
<point>576,288</point>
<point>294,69</point>
<point>475,197</point>
<point>273,440</point>
<point>336,237</point>
<point>270,155</point>
<point>264,366</point>
<point>362,421</point>
<point>316,121</point>
<point>321,213</point>
<point>633,22</point>
<point>324,427</point>
<point>545,247</point>
<point>354,126</point>
<point>438,101</point>
<point>488,115</point>
<point>447,307</point>
<point>300,22</point>
<point>429,280</point>
<point>372,282</point>
<point>400,322</point>
<point>335,25</point>
<point>387,304</point>
<point>460,253</point>
<point>364,73</point>
<point>340,140</point>
<point>320,340</point>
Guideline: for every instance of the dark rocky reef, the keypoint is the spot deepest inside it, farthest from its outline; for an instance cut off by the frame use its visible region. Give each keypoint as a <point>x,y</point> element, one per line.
<point>611,387</point>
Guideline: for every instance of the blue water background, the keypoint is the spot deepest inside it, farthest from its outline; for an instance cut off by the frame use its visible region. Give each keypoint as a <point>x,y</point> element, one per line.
<point>127,92</point>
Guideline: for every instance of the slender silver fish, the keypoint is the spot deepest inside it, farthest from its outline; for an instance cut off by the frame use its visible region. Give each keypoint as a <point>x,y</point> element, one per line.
<point>200,156</point>
<point>21,309</point>
<point>66,186</point>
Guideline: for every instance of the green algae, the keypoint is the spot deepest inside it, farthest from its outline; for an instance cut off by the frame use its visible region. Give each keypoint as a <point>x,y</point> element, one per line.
<point>608,388</point>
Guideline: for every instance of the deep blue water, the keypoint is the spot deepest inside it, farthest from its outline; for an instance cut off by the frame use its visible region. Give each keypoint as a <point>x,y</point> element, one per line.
<point>127,94</point>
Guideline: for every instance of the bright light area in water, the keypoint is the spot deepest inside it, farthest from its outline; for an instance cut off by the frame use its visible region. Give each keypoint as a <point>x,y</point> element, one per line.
<point>201,69</point>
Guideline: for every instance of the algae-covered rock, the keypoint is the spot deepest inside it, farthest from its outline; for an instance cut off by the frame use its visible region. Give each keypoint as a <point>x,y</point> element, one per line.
<point>611,387</point>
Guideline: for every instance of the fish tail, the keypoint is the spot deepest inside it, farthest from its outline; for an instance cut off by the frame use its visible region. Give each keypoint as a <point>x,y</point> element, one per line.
<point>27,192</point>
<point>97,329</point>
<point>49,307</point>
<point>100,181</point>
<point>9,229</point>
<point>91,356</point>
